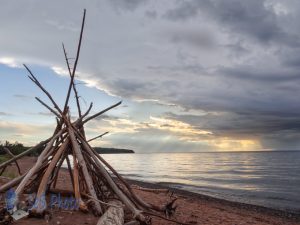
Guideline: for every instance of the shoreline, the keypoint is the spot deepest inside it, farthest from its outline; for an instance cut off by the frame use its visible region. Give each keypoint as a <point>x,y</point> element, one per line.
<point>193,208</point>
<point>193,195</point>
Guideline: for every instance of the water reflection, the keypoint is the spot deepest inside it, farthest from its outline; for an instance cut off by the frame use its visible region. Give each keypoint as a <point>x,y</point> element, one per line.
<point>266,178</point>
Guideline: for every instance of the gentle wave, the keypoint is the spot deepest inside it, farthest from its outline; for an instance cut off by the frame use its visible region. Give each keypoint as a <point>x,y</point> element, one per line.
<point>270,179</point>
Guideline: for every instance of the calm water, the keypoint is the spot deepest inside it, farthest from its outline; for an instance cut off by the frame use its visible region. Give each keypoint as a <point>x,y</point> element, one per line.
<point>269,179</point>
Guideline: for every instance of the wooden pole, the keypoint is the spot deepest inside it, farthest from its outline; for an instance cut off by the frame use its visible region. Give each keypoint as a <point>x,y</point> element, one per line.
<point>136,212</point>
<point>11,183</point>
<point>70,170</point>
<point>101,112</point>
<point>37,165</point>
<point>76,61</point>
<point>100,136</point>
<point>87,177</point>
<point>40,200</point>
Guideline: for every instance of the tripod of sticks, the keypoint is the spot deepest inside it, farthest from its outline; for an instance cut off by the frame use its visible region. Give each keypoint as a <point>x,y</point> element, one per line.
<point>93,186</point>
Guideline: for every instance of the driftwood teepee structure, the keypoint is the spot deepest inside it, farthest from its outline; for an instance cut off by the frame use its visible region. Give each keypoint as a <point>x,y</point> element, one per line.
<point>94,187</point>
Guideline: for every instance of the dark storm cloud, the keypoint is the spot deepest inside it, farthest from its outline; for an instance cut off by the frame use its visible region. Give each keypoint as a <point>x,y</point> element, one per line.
<point>130,5</point>
<point>251,73</point>
<point>127,87</point>
<point>291,58</point>
<point>258,125</point>
<point>250,18</point>
<point>282,140</point>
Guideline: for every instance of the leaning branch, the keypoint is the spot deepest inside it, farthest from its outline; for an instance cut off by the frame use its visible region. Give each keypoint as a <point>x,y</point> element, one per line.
<point>48,107</point>
<point>35,80</point>
<point>100,113</point>
<point>99,136</point>
<point>76,62</point>
<point>73,83</point>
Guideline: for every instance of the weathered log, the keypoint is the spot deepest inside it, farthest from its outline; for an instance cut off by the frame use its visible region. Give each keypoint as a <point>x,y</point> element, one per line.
<point>70,170</point>
<point>37,165</point>
<point>40,201</point>
<point>132,194</point>
<point>15,181</point>
<point>87,177</point>
<point>113,215</point>
<point>136,212</point>
<point>11,183</point>
<point>58,141</point>
<point>82,205</point>
<point>55,174</point>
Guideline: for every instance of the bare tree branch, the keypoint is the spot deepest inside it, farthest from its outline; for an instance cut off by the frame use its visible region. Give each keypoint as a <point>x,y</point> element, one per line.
<point>101,112</point>
<point>76,61</point>
<point>99,136</point>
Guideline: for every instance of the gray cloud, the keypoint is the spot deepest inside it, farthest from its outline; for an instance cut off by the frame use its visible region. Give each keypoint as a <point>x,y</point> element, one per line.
<point>130,5</point>
<point>279,131</point>
<point>238,61</point>
<point>151,14</point>
<point>46,114</point>
<point>252,73</point>
<point>195,38</point>
<point>23,97</point>
<point>250,18</point>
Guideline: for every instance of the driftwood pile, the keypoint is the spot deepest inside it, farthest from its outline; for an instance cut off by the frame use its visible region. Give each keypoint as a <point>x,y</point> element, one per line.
<point>103,193</point>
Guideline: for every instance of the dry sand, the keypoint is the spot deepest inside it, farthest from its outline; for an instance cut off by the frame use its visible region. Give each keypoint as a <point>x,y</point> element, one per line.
<point>192,208</point>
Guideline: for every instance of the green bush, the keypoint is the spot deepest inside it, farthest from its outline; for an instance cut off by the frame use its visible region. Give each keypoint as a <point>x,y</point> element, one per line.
<point>17,148</point>
<point>3,158</point>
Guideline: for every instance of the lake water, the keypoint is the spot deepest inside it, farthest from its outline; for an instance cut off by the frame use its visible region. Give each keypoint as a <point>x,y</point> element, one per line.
<point>269,179</point>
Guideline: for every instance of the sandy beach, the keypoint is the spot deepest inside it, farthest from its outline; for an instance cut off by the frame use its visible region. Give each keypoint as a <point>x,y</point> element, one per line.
<point>192,208</point>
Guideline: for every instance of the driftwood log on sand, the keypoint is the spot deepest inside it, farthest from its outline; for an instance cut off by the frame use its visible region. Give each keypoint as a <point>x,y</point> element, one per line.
<point>114,215</point>
<point>93,186</point>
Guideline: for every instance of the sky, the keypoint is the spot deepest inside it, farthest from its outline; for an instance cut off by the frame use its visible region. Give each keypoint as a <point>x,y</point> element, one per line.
<point>211,75</point>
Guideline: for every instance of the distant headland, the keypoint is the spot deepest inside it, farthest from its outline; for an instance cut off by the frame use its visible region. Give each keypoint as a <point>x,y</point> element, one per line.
<point>101,150</point>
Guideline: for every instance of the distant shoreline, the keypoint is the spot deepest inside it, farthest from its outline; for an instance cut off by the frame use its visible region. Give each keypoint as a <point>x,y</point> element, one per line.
<point>101,150</point>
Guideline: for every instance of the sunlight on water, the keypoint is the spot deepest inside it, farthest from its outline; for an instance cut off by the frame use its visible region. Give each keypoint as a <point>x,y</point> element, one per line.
<point>265,178</point>
<point>269,179</point>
